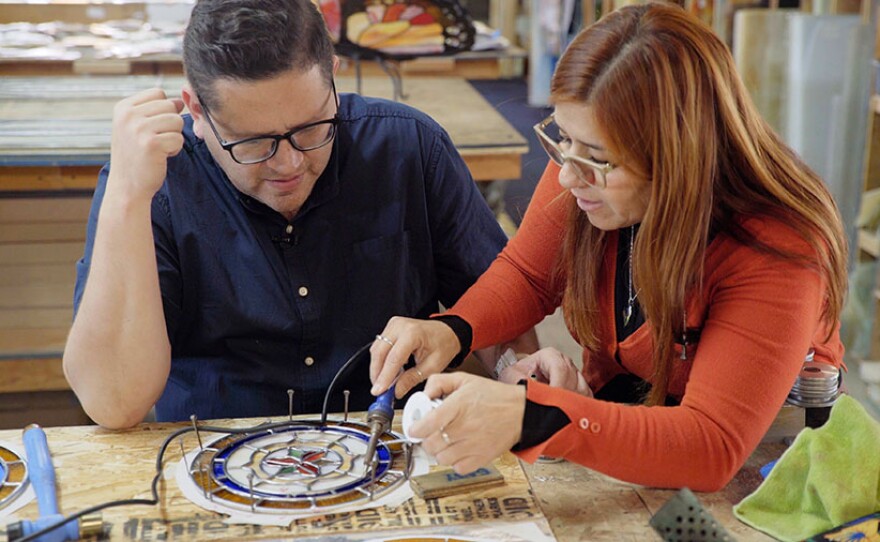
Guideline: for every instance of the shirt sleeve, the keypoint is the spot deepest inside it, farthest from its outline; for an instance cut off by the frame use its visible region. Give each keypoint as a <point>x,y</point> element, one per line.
<point>466,236</point>
<point>519,289</point>
<point>763,315</point>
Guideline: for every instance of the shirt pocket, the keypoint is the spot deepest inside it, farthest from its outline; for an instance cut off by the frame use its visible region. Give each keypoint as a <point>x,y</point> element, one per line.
<point>382,279</point>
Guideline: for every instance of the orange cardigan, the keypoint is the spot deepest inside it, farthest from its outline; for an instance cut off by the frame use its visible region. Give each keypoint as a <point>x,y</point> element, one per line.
<point>759,317</point>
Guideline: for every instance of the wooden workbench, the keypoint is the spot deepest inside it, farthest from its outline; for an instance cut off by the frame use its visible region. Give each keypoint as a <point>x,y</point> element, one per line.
<point>95,465</point>
<point>57,129</point>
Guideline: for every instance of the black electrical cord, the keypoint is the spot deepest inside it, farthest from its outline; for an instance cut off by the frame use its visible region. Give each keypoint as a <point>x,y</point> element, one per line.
<point>161,456</point>
<point>341,370</point>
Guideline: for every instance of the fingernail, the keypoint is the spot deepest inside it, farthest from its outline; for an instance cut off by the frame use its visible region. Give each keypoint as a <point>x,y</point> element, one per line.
<point>374,390</point>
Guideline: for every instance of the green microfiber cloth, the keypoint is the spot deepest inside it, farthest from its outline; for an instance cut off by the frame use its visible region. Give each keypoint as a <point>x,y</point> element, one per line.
<point>828,476</point>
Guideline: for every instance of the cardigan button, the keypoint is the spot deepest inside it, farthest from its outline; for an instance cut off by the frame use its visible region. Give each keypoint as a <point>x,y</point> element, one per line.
<point>584,423</point>
<point>595,427</point>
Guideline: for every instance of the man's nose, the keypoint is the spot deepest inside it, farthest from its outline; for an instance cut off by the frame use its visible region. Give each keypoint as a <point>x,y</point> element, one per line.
<point>286,155</point>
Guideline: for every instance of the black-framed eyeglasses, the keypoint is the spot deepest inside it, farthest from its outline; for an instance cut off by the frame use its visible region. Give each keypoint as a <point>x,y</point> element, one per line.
<point>253,150</point>
<point>589,171</point>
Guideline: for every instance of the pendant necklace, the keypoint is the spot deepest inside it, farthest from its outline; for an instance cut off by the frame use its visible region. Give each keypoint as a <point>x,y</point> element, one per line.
<point>628,310</point>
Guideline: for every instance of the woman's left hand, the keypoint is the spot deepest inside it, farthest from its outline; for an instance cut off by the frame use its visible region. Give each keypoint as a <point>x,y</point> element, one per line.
<point>548,365</point>
<point>479,420</point>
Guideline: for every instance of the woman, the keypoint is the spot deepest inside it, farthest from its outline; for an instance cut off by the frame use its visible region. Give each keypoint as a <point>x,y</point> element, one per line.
<point>696,258</point>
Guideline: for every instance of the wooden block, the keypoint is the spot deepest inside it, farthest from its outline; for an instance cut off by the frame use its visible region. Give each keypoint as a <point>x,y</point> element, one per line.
<point>441,483</point>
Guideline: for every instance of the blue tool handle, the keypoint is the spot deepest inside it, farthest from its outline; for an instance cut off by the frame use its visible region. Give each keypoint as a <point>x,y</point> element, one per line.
<point>70,530</point>
<point>384,404</point>
<point>40,469</point>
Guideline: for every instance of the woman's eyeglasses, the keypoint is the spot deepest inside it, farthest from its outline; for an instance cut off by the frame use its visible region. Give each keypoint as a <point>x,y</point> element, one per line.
<point>589,171</point>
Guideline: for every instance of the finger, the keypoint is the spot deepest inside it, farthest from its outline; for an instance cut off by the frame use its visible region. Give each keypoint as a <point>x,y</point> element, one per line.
<point>558,376</point>
<point>443,416</point>
<point>157,107</point>
<point>434,443</point>
<point>411,378</point>
<point>462,458</point>
<point>165,123</point>
<point>178,104</point>
<point>170,143</point>
<point>146,95</point>
<point>442,385</point>
<point>515,373</point>
<point>539,376</point>
<point>378,352</point>
<point>381,352</point>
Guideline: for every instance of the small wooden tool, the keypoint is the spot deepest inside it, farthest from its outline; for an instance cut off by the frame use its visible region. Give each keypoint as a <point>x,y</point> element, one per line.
<point>441,483</point>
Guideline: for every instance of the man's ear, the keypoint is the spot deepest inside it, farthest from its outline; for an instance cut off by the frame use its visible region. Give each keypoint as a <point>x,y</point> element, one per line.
<point>335,64</point>
<point>195,109</point>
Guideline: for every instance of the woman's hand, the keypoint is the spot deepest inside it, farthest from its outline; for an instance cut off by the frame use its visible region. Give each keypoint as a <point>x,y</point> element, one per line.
<point>479,420</point>
<point>432,342</point>
<point>550,366</point>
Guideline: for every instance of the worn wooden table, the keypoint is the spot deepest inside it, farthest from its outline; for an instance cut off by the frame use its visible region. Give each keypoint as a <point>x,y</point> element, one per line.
<point>95,465</point>
<point>56,130</point>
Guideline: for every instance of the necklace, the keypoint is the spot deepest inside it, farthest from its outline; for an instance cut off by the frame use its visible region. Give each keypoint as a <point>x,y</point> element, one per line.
<point>631,297</point>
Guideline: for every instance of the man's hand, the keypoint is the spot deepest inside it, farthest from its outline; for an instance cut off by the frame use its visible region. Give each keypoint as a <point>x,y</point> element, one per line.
<point>550,366</point>
<point>147,130</point>
<point>479,420</point>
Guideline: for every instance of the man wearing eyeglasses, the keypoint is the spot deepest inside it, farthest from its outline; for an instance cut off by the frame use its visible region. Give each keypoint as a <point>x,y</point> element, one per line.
<point>253,245</point>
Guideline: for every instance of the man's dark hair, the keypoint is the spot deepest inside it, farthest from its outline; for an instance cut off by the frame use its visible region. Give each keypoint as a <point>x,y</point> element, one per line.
<point>253,40</point>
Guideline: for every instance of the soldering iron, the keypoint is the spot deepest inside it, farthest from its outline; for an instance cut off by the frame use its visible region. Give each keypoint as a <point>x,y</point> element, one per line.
<point>42,477</point>
<point>379,418</point>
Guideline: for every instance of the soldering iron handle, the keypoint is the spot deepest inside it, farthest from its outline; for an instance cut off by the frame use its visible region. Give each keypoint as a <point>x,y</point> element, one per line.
<point>40,469</point>
<point>384,404</point>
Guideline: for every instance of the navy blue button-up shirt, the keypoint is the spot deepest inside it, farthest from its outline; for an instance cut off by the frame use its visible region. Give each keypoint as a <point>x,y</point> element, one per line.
<point>255,305</point>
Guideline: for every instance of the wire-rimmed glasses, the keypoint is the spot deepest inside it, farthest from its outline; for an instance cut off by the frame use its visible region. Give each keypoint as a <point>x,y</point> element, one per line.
<point>589,171</point>
<point>253,150</point>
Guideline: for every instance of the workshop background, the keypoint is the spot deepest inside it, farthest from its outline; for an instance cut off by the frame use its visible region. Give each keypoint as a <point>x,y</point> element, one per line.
<point>812,67</point>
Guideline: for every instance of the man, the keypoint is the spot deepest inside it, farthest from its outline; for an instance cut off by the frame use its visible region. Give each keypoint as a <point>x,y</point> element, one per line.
<point>255,245</point>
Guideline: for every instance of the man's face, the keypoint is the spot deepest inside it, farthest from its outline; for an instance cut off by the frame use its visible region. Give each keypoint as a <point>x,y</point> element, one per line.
<point>246,109</point>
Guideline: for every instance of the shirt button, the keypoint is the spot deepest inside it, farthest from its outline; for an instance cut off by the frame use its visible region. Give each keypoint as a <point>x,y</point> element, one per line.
<point>309,361</point>
<point>289,228</point>
<point>303,291</point>
<point>584,423</point>
<point>595,427</point>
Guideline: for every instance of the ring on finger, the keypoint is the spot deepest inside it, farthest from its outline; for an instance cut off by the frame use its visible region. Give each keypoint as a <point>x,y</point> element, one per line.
<point>419,372</point>
<point>385,339</point>
<point>445,436</point>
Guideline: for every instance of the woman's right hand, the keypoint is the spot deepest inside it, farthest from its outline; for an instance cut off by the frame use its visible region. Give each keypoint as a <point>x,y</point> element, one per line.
<point>551,366</point>
<point>431,342</point>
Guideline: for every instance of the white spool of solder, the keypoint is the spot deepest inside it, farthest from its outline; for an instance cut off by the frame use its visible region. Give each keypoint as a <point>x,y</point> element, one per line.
<point>417,407</point>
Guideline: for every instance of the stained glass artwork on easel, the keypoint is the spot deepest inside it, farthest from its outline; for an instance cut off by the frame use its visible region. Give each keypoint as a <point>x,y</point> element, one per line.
<point>389,31</point>
<point>14,488</point>
<point>272,476</point>
<point>399,28</point>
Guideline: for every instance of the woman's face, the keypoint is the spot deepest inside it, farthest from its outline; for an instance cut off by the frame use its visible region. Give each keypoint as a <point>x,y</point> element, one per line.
<point>624,199</point>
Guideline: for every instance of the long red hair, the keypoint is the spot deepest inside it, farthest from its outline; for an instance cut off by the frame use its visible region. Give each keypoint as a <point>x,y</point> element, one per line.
<point>666,92</point>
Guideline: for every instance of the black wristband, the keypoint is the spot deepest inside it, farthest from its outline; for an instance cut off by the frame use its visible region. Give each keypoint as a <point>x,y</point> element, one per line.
<point>465,335</point>
<point>540,422</point>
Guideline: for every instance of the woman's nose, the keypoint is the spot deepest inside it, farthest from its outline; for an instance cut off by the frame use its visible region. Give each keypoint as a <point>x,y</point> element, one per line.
<point>568,177</point>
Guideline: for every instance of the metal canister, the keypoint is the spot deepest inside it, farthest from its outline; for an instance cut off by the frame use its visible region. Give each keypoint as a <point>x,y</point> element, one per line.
<point>815,389</point>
